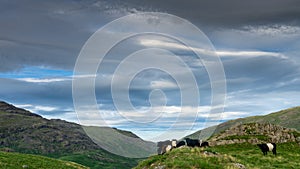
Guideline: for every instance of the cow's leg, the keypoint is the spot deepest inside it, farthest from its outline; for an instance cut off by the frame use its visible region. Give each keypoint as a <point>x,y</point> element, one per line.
<point>274,150</point>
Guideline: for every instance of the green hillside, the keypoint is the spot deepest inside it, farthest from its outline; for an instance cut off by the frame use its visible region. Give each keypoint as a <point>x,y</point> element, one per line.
<point>232,156</point>
<point>132,146</point>
<point>9,160</point>
<point>26,132</point>
<point>289,118</point>
<point>235,148</point>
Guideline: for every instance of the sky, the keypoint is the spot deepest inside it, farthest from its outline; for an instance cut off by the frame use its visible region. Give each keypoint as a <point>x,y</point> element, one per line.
<point>257,43</point>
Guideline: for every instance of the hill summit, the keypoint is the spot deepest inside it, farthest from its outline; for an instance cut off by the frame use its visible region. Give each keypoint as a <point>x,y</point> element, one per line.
<point>255,133</point>
<point>288,118</point>
<point>9,108</point>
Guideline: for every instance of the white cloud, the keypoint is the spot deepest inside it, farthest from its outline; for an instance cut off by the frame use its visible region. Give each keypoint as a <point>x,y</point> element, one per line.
<point>209,52</point>
<point>44,108</point>
<point>86,76</point>
<point>36,109</point>
<point>24,106</point>
<point>273,30</point>
<point>163,84</point>
<point>223,53</point>
<point>38,80</point>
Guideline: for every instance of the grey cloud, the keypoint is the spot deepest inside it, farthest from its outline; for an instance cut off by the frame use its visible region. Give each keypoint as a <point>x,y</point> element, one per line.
<point>52,33</point>
<point>231,12</point>
<point>58,94</point>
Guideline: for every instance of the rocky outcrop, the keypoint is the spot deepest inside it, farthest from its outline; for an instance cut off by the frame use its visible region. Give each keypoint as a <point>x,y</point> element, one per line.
<point>255,133</point>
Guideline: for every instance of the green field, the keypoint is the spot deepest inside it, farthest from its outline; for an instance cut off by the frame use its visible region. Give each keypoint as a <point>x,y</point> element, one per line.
<point>226,156</point>
<point>9,160</point>
<point>100,159</point>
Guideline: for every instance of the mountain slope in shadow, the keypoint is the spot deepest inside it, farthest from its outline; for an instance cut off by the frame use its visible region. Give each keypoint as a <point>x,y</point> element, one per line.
<point>26,132</point>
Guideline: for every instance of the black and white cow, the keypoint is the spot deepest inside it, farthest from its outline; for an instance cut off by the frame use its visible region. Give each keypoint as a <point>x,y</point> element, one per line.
<point>174,143</point>
<point>192,142</point>
<point>267,147</point>
<point>164,146</point>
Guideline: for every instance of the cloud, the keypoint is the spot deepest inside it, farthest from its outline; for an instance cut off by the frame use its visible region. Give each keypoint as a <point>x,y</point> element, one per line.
<point>163,84</point>
<point>35,80</point>
<point>258,42</point>
<point>37,108</point>
<point>250,54</point>
<point>209,52</point>
<point>272,30</point>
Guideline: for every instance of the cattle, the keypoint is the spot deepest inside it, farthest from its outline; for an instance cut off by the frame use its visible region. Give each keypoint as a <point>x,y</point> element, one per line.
<point>164,146</point>
<point>265,147</point>
<point>174,143</point>
<point>204,144</point>
<point>192,142</point>
<point>167,145</point>
<point>180,144</point>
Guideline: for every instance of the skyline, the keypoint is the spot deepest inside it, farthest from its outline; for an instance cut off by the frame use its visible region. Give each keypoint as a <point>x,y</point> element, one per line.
<point>257,42</point>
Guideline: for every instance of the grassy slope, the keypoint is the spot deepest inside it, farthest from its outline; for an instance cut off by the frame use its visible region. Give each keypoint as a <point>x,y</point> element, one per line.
<point>100,159</point>
<point>26,132</point>
<point>131,146</point>
<point>288,118</point>
<point>227,155</point>
<point>36,135</point>
<point>17,160</point>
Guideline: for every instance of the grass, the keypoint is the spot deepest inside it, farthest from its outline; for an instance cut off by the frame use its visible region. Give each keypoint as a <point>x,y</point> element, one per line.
<point>187,158</point>
<point>112,139</point>
<point>288,155</point>
<point>9,160</point>
<point>100,159</point>
<point>226,156</point>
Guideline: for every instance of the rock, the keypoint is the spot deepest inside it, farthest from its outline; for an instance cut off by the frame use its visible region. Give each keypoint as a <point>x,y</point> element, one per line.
<point>253,133</point>
<point>240,166</point>
<point>159,167</point>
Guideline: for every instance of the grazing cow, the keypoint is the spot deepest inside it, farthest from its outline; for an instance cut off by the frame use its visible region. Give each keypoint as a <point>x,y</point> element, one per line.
<point>174,143</point>
<point>192,142</point>
<point>267,147</point>
<point>168,148</point>
<point>180,143</point>
<point>204,144</point>
<point>164,146</point>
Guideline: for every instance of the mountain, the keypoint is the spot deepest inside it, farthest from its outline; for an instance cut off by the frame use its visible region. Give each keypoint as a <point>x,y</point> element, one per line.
<point>11,160</point>
<point>289,118</point>
<point>26,132</point>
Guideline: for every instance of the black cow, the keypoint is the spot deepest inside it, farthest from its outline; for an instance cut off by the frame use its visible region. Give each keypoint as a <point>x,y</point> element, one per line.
<point>267,147</point>
<point>204,144</point>
<point>180,143</point>
<point>192,142</point>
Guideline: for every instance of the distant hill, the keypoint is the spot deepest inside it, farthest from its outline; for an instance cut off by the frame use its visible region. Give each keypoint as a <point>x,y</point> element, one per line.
<point>26,132</point>
<point>11,160</point>
<point>289,118</point>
